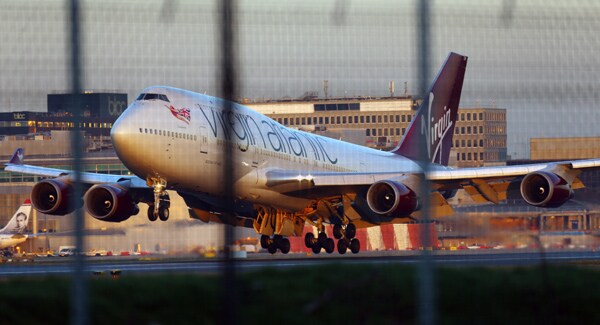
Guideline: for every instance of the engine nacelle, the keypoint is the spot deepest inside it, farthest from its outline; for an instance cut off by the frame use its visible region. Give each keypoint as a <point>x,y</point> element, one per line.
<point>392,198</point>
<point>545,189</point>
<point>54,197</point>
<point>109,203</point>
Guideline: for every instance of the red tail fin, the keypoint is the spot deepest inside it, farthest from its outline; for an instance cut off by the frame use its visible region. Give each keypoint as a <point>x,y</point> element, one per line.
<point>429,136</point>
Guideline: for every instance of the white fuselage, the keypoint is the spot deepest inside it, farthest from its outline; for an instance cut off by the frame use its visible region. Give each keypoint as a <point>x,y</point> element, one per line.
<point>183,141</point>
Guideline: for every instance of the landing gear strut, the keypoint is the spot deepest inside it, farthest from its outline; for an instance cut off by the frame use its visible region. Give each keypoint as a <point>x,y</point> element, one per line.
<point>162,203</point>
<point>277,242</point>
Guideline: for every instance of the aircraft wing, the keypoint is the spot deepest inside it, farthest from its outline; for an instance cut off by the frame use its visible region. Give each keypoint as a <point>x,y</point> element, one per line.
<point>16,165</point>
<point>484,184</point>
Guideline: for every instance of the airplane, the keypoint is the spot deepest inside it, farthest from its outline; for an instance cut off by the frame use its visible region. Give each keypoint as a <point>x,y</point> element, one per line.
<point>173,139</point>
<point>12,234</point>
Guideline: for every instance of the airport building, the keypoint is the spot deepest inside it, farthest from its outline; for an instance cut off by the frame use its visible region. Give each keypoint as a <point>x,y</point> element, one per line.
<point>98,113</point>
<point>479,139</point>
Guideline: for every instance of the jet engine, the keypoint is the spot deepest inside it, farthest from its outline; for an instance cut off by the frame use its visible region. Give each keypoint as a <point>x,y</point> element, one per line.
<point>545,189</point>
<point>392,198</point>
<point>110,203</point>
<point>54,197</point>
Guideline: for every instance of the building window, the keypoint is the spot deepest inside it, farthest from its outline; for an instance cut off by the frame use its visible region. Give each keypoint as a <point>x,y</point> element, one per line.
<point>310,120</point>
<point>458,156</point>
<point>463,156</point>
<point>343,119</point>
<point>481,143</point>
<point>403,118</point>
<point>385,132</point>
<point>338,120</point>
<point>326,119</point>
<point>304,121</point>
<point>462,129</point>
<point>481,116</point>
<point>456,143</point>
<point>403,131</point>
<point>362,119</point>
<point>373,118</point>
<point>462,116</point>
<point>409,118</point>
<point>468,130</point>
<point>355,119</point>
<point>385,119</point>
<point>320,120</point>
<point>481,156</point>
<point>368,132</point>
<point>462,142</point>
<point>469,156</point>
<point>373,132</point>
<point>397,118</point>
<point>468,116</point>
<point>379,119</point>
<point>468,143</point>
<point>474,129</point>
<point>397,131</point>
<point>297,121</point>
<point>481,129</point>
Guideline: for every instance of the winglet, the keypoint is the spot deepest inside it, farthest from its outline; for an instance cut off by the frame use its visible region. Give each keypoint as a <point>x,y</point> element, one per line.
<point>17,157</point>
<point>429,136</point>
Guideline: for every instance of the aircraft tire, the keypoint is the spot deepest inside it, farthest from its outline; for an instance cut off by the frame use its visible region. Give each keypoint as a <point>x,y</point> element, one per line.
<point>163,214</point>
<point>277,240</point>
<point>151,215</point>
<point>322,239</point>
<point>342,246</point>
<point>355,246</point>
<point>272,248</point>
<point>350,231</point>
<point>316,248</point>
<point>329,245</point>
<point>309,239</point>
<point>264,241</point>
<point>337,231</point>
<point>284,245</point>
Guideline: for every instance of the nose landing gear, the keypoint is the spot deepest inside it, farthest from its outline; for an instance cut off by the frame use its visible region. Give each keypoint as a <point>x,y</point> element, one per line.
<point>162,203</point>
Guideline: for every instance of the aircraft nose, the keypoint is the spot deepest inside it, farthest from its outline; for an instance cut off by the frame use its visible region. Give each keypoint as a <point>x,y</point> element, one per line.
<point>124,134</point>
<point>119,132</point>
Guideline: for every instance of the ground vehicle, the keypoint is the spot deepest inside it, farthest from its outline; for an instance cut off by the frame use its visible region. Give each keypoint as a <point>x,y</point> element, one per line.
<point>66,251</point>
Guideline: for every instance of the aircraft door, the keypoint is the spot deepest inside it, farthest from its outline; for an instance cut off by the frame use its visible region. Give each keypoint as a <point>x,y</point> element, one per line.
<point>203,140</point>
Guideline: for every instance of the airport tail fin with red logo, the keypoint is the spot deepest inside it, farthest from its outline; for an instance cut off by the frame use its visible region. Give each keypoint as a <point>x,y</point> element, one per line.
<point>429,135</point>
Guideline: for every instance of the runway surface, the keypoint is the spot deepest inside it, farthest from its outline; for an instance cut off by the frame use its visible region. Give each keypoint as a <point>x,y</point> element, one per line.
<point>139,265</point>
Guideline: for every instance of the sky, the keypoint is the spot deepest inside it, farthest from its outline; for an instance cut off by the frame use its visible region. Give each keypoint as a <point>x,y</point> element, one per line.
<point>537,59</point>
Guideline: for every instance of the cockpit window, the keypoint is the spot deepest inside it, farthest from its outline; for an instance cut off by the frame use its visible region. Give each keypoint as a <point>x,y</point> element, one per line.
<point>148,96</point>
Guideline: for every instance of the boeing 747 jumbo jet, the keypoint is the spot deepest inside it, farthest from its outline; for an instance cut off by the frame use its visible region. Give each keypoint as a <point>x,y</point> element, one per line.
<point>12,234</point>
<point>174,139</point>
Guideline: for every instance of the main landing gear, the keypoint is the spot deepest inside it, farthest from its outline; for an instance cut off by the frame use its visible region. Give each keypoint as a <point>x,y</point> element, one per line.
<point>275,243</point>
<point>344,234</point>
<point>162,203</point>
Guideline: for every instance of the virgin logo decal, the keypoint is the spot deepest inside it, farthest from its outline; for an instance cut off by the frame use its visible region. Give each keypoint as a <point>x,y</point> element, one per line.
<point>435,131</point>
